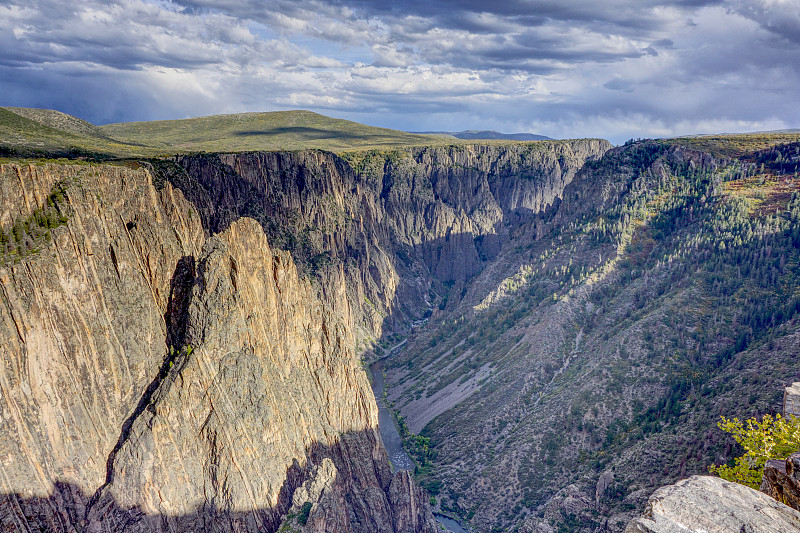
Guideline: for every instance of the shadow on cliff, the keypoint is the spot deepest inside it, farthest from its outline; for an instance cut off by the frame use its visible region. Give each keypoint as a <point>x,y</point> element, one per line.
<point>275,198</point>
<point>364,497</point>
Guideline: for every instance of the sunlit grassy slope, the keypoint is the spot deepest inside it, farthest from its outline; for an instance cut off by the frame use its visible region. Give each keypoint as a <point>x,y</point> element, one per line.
<point>280,130</point>
<point>60,121</point>
<point>43,132</point>
<point>737,145</point>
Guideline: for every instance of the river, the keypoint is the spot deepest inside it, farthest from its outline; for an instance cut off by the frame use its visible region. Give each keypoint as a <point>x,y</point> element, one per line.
<point>394,445</point>
<point>450,524</point>
<point>391,438</point>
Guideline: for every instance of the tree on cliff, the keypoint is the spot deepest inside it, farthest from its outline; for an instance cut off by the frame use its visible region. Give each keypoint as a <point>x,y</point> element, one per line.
<point>773,438</point>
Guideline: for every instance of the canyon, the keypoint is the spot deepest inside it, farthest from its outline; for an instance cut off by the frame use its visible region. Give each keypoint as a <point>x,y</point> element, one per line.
<point>184,350</point>
<point>556,326</point>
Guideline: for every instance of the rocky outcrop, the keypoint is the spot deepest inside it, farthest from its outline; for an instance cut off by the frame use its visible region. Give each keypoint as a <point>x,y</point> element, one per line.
<point>791,400</point>
<point>711,504</point>
<point>406,495</point>
<point>781,480</point>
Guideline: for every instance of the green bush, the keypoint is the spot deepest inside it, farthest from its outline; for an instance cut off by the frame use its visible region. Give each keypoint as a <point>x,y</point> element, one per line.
<point>26,235</point>
<point>772,438</point>
<point>302,518</point>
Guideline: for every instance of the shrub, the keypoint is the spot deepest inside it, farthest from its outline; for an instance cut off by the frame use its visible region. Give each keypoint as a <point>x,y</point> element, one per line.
<point>302,518</point>
<point>772,438</point>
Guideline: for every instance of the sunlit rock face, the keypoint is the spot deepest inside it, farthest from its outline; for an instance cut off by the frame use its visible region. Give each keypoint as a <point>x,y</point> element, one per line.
<point>155,378</point>
<point>705,503</point>
<point>266,394</point>
<point>82,325</point>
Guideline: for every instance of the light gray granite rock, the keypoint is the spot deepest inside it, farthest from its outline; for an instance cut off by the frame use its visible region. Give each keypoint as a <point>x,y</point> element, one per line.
<point>705,504</point>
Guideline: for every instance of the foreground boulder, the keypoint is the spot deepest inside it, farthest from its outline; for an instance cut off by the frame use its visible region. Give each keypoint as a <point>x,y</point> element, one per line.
<point>713,505</point>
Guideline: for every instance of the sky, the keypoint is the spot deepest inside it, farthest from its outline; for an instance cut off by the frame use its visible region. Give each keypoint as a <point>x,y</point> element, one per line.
<point>615,69</point>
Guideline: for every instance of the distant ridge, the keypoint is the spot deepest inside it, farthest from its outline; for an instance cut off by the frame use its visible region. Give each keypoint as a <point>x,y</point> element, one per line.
<point>764,132</point>
<point>273,130</point>
<point>47,132</point>
<point>60,121</point>
<point>788,130</point>
<point>488,135</point>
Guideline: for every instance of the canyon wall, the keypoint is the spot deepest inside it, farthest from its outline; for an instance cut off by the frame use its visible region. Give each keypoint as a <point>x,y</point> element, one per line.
<point>399,222</point>
<point>590,361</point>
<point>155,378</point>
<point>182,350</point>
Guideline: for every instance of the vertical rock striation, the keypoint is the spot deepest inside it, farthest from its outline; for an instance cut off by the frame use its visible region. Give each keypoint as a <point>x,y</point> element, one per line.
<point>266,394</point>
<point>82,327</point>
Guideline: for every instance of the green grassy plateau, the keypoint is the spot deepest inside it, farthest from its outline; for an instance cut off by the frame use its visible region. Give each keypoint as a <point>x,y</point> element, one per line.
<point>44,132</point>
<point>280,130</point>
<point>30,132</point>
<point>737,145</point>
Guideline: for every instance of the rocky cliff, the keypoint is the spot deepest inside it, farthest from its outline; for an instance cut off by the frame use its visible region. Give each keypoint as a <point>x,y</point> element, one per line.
<point>83,327</point>
<point>182,340</point>
<point>399,223</point>
<point>155,378</point>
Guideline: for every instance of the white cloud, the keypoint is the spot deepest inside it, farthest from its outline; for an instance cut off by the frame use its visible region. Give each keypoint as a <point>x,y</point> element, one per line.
<point>612,69</point>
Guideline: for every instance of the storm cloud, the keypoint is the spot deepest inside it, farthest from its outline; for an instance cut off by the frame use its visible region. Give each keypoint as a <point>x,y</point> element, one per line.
<point>615,68</point>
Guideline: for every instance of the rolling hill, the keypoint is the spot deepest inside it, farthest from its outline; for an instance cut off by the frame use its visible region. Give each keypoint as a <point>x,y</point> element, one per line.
<point>44,132</point>
<point>279,130</point>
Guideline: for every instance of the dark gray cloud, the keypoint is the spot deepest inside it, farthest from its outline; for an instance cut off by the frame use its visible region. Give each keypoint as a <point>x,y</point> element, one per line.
<point>779,17</point>
<point>614,69</point>
<point>511,35</point>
